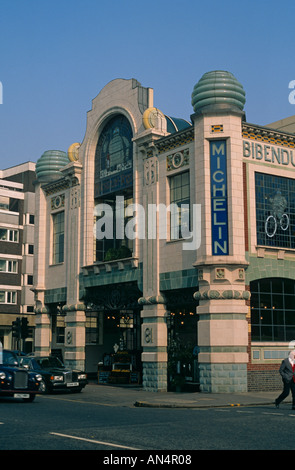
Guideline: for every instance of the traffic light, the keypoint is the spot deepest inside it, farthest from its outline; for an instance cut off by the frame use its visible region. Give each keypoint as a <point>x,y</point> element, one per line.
<point>16,328</point>
<point>24,328</point>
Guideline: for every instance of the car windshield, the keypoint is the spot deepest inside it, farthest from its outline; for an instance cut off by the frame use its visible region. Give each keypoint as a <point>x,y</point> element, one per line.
<point>9,358</point>
<point>49,362</point>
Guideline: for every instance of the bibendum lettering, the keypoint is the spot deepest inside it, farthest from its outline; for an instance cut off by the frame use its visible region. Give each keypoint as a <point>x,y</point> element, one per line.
<point>268,153</point>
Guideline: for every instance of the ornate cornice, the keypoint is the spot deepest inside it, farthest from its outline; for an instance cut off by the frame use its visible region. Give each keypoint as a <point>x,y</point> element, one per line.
<point>175,140</point>
<point>268,135</point>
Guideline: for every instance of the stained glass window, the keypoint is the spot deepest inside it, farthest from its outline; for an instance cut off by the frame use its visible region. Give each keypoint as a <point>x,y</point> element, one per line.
<point>114,157</point>
<point>275,210</point>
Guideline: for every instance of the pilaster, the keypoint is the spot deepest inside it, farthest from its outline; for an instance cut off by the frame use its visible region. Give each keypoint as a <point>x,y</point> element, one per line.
<point>154,343</point>
<point>42,331</point>
<point>75,324</point>
<point>221,263</point>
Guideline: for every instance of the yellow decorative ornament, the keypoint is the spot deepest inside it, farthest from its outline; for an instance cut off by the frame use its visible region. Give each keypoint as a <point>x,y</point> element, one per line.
<point>73,152</point>
<point>153,118</point>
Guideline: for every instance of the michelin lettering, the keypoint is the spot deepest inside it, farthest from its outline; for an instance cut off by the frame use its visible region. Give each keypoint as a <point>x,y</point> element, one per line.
<point>219,215</point>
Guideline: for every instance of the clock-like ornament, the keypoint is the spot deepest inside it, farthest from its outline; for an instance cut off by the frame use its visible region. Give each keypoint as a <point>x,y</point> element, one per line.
<point>73,152</point>
<point>177,159</point>
<point>153,118</point>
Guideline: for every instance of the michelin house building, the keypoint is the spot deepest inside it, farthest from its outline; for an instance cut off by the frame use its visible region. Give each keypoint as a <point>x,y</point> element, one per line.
<point>164,248</point>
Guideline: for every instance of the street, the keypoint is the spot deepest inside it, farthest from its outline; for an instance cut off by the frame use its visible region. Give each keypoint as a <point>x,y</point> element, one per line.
<point>83,422</point>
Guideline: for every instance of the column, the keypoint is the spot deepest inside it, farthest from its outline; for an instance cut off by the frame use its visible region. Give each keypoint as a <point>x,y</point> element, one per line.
<point>42,331</point>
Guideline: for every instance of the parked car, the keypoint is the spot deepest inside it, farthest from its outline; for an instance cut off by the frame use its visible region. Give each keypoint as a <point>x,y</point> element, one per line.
<point>55,376</point>
<point>15,381</point>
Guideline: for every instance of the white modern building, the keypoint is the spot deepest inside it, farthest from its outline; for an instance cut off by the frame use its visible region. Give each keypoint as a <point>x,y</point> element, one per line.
<point>17,223</point>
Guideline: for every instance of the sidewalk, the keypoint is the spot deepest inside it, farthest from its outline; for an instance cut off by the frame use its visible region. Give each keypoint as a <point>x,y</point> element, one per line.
<point>136,396</point>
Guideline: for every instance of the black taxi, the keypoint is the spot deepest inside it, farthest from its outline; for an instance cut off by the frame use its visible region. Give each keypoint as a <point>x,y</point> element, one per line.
<point>15,381</point>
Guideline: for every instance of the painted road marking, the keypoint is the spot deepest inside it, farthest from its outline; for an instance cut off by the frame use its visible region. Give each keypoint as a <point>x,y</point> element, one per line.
<point>93,441</point>
<point>244,411</point>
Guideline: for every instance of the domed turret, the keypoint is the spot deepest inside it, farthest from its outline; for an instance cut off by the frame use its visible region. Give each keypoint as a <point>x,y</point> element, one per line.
<point>49,165</point>
<point>218,88</point>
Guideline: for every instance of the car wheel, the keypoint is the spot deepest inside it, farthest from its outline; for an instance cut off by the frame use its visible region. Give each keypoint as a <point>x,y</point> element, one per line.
<point>30,399</point>
<point>43,387</point>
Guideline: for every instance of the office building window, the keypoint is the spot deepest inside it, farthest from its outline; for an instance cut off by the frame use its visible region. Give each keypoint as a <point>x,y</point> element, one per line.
<point>8,266</point>
<point>8,235</point>
<point>7,297</point>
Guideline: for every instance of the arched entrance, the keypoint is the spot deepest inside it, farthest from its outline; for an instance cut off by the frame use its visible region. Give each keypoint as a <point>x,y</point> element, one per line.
<point>117,346</point>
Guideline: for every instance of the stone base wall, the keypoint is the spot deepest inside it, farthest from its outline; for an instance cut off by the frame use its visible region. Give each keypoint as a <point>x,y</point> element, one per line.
<point>154,376</point>
<point>223,378</point>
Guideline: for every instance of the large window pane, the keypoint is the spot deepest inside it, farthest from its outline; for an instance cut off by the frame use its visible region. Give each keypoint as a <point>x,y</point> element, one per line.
<point>272,310</point>
<point>180,196</point>
<point>58,238</point>
<point>275,211</point>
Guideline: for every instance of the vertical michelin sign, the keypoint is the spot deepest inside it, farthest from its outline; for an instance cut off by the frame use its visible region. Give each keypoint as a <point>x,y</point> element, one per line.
<point>219,213</point>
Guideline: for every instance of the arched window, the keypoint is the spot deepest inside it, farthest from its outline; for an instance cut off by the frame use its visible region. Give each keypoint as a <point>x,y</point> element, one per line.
<point>114,157</point>
<point>114,177</point>
<point>272,309</point>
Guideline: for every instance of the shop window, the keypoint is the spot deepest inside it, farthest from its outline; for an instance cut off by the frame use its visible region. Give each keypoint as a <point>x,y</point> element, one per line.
<point>272,309</point>
<point>92,328</point>
<point>275,210</point>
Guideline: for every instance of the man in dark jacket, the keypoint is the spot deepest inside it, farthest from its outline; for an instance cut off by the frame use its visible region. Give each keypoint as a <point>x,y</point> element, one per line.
<point>287,371</point>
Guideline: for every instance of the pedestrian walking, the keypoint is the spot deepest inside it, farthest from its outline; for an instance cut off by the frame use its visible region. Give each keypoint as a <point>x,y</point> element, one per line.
<point>287,371</point>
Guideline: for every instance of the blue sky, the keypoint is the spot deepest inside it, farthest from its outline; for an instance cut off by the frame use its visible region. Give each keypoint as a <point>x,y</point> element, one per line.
<point>56,56</point>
